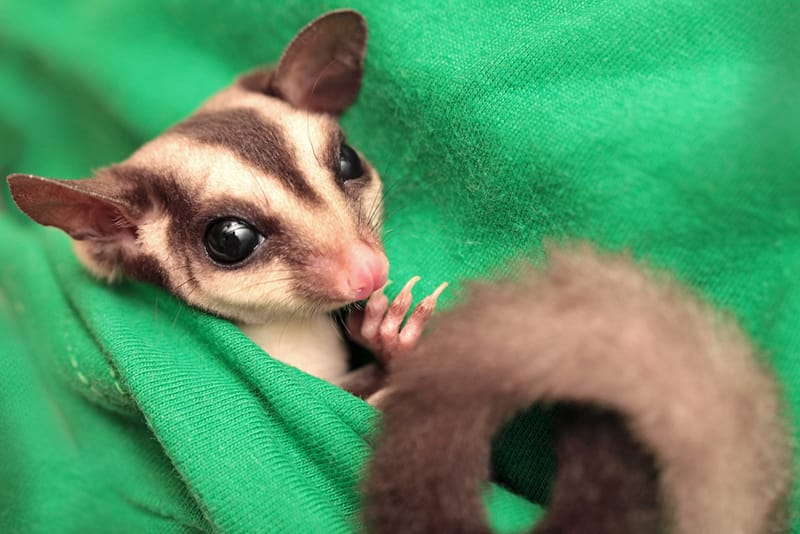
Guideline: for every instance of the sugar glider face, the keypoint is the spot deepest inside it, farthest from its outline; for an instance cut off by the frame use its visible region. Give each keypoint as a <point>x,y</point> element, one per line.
<point>253,207</point>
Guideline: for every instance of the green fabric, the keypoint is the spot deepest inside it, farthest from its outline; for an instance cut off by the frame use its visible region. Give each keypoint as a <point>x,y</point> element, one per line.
<point>671,128</point>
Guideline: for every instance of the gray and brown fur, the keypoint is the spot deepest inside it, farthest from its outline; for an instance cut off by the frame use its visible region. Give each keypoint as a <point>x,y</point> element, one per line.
<point>264,150</point>
<point>668,420</point>
<point>246,152</point>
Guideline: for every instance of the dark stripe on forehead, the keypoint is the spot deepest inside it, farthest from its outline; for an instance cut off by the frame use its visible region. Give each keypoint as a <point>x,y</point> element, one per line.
<point>253,139</point>
<point>145,190</point>
<point>150,191</point>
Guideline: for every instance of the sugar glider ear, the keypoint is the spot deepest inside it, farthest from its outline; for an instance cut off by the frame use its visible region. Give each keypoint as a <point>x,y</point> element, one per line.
<point>321,69</point>
<point>85,209</point>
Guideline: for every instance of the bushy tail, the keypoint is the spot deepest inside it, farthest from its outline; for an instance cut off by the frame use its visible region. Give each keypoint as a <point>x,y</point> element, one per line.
<point>667,420</point>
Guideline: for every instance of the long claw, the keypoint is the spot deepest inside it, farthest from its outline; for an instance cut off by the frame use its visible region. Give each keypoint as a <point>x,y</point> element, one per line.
<point>377,327</point>
<point>397,311</point>
<point>412,330</point>
<point>374,313</point>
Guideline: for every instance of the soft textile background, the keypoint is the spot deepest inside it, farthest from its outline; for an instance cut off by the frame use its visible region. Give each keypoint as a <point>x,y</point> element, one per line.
<point>671,128</point>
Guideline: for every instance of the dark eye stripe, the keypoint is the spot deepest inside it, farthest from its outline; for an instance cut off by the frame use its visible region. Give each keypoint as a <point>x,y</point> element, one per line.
<point>255,140</point>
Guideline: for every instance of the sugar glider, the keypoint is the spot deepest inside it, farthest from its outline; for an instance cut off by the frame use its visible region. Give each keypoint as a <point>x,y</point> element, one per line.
<point>254,208</point>
<point>666,420</point>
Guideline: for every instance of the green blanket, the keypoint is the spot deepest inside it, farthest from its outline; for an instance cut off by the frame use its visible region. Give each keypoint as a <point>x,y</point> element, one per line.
<point>670,128</point>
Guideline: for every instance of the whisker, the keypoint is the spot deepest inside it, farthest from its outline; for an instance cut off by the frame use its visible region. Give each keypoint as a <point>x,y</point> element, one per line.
<point>261,189</point>
<point>191,278</point>
<point>388,231</point>
<point>259,284</point>
<point>180,308</point>
<point>310,141</point>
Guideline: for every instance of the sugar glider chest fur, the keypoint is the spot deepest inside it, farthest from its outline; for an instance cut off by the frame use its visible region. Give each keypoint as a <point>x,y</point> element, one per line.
<point>254,208</point>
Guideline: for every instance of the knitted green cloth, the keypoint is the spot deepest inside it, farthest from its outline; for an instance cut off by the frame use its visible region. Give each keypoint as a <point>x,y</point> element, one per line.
<point>671,128</point>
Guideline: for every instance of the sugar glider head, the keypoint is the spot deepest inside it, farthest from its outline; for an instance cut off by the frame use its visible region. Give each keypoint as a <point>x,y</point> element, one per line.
<point>251,208</point>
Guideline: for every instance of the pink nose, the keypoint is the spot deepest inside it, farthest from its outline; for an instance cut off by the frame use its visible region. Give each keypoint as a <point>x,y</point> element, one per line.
<point>365,270</point>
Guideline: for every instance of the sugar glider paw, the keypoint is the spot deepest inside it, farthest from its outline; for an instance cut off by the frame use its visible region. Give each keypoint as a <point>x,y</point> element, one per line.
<point>378,326</point>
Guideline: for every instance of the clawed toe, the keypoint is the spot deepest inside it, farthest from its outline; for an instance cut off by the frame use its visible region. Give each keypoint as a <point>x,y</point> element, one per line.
<point>378,326</point>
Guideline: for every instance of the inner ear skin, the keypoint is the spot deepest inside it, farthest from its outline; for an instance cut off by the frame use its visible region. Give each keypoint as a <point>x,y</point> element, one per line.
<point>321,68</point>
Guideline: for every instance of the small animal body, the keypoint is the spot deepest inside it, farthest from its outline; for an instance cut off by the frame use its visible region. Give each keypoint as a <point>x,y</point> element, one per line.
<point>665,420</point>
<point>255,208</point>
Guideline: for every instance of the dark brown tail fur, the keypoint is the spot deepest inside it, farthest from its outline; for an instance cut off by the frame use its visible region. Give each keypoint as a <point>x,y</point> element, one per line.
<point>669,422</point>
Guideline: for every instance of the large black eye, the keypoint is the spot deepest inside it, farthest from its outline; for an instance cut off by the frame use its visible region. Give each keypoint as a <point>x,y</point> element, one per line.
<point>231,240</point>
<point>349,163</point>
